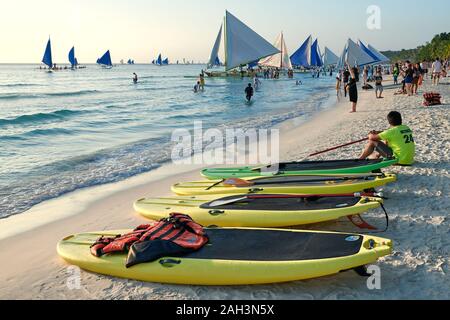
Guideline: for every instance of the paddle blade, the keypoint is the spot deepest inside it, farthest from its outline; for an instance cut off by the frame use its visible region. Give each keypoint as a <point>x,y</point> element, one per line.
<point>221,203</point>
<point>236,182</point>
<point>358,221</point>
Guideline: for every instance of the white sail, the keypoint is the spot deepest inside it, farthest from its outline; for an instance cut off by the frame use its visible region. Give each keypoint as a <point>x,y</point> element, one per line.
<point>243,45</point>
<point>215,50</point>
<point>379,55</point>
<point>356,56</point>
<point>341,62</point>
<point>280,60</point>
<point>330,58</point>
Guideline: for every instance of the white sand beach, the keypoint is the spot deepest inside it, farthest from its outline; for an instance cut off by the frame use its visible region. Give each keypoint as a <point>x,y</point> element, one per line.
<point>419,204</point>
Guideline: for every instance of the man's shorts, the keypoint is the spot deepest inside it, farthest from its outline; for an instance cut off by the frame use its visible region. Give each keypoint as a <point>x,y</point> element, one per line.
<point>379,88</point>
<point>384,150</point>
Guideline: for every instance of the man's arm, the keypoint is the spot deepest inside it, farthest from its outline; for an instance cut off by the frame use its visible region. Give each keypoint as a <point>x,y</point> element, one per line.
<point>374,136</point>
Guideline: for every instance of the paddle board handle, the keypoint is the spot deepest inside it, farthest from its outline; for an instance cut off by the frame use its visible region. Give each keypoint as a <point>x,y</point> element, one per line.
<point>216,212</point>
<point>169,263</point>
<point>255,190</point>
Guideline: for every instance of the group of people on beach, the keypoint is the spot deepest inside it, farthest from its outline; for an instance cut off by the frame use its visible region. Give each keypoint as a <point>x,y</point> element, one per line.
<point>413,76</point>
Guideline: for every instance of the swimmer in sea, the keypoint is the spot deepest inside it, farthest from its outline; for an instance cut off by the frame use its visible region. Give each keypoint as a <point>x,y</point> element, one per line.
<point>249,92</point>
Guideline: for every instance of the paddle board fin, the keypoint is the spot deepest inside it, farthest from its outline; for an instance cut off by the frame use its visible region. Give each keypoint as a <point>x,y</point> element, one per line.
<point>362,271</point>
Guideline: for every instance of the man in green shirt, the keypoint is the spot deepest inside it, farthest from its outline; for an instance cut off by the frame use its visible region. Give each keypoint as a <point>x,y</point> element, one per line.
<point>398,142</point>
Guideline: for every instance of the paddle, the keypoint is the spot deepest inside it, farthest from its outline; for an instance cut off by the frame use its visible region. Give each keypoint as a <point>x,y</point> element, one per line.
<point>318,153</point>
<point>240,183</point>
<point>334,148</point>
<point>219,203</point>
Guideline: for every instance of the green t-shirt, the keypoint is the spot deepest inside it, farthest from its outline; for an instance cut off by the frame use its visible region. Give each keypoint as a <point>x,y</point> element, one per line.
<point>401,140</point>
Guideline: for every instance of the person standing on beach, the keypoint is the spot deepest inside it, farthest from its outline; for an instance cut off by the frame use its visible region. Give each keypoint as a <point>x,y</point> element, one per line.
<point>352,89</point>
<point>398,142</point>
<point>436,71</point>
<point>365,75</point>
<point>378,84</point>
<point>338,86</point>
<point>409,78</point>
<point>396,73</point>
<point>345,78</point>
<point>416,78</point>
<point>249,92</point>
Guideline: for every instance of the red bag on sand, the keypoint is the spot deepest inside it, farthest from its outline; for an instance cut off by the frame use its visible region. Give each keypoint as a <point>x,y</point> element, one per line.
<point>432,99</point>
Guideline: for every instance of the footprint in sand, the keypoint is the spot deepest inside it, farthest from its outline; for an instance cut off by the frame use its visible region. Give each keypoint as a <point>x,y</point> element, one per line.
<point>262,295</point>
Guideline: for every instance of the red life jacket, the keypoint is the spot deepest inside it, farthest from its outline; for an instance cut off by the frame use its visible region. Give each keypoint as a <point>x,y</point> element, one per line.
<point>432,99</point>
<point>179,229</point>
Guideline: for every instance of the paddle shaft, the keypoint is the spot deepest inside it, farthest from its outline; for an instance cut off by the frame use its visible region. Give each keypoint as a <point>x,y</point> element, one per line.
<point>219,203</point>
<point>308,181</point>
<point>295,196</point>
<point>338,147</point>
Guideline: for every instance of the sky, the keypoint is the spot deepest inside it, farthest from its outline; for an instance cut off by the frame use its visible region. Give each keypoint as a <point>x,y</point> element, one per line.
<point>140,29</point>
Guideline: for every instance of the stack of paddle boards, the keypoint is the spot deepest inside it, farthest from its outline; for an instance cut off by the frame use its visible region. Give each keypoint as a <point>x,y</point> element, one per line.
<point>241,209</point>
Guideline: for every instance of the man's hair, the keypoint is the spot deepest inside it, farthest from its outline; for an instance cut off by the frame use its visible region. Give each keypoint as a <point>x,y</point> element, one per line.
<point>395,118</point>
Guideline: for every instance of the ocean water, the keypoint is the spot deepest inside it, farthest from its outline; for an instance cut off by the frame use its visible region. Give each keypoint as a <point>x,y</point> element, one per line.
<point>67,130</point>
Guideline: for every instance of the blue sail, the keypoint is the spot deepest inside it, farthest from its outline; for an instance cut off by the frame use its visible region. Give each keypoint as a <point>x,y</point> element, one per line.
<point>217,62</point>
<point>72,59</point>
<point>316,59</point>
<point>301,57</point>
<point>105,60</point>
<point>129,61</point>
<point>165,61</point>
<point>159,60</point>
<point>47,59</point>
<point>253,64</point>
<point>368,51</point>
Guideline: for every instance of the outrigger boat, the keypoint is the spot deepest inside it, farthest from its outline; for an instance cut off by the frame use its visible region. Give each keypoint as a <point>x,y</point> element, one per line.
<point>242,47</point>
<point>105,60</point>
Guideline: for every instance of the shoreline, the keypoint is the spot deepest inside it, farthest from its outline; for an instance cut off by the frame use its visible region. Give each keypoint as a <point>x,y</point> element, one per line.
<point>40,274</point>
<point>45,212</point>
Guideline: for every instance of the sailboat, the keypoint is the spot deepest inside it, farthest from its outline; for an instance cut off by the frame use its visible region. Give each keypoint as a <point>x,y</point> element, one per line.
<point>302,57</point>
<point>241,45</point>
<point>316,56</point>
<point>280,60</point>
<point>72,59</point>
<point>159,61</point>
<point>105,60</point>
<point>368,51</point>
<point>381,57</point>
<point>47,59</point>
<point>329,58</point>
<point>354,56</point>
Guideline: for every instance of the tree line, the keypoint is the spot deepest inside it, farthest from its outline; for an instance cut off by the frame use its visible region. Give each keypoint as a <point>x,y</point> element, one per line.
<point>439,47</point>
